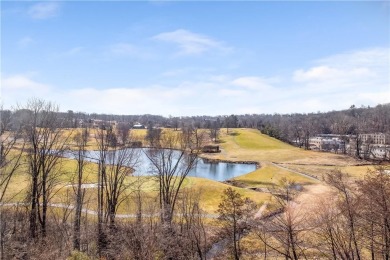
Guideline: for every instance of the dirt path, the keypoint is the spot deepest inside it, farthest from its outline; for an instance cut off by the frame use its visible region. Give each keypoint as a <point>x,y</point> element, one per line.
<point>294,171</point>
<point>259,213</point>
<point>93,212</point>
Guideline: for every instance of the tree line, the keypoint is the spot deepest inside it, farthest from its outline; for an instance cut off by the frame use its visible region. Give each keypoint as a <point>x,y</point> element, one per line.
<point>292,128</point>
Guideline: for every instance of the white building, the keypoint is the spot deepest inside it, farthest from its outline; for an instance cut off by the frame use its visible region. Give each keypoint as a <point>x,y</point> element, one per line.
<point>330,143</point>
<point>376,138</point>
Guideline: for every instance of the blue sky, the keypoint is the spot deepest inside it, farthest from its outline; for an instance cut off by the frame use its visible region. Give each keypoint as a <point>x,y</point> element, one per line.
<point>196,58</point>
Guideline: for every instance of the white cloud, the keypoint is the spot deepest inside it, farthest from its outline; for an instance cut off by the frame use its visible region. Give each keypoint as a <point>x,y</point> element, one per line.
<point>225,92</point>
<point>22,83</point>
<point>44,10</point>
<point>332,83</point>
<point>189,42</point>
<point>323,73</point>
<point>374,57</point>
<point>338,80</point>
<point>374,97</point>
<point>19,88</point>
<point>151,99</point>
<point>252,83</point>
<point>174,73</point>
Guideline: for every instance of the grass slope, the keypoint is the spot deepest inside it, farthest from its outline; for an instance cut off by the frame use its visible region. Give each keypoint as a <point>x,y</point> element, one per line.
<point>238,145</point>
<point>251,145</point>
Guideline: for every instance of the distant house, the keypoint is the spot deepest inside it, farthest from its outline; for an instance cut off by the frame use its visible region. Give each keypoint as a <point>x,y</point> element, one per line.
<point>102,124</point>
<point>376,138</point>
<point>211,149</point>
<point>326,143</point>
<point>379,151</point>
<point>138,126</point>
<point>372,146</point>
<point>97,123</point>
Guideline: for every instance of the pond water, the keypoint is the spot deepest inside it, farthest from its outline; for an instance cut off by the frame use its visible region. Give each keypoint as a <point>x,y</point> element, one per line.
<point>218,171</point>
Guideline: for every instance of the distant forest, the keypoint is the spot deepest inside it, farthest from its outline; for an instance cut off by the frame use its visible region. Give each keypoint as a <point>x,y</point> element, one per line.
<point>291,128</point>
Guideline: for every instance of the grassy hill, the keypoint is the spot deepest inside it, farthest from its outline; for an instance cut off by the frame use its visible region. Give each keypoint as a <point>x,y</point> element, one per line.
<point>277,160</point>
<point>251,145</point>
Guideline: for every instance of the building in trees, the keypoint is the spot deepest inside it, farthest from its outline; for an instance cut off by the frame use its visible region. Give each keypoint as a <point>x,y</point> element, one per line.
<point>138,126</point>
<point>327,143</point>
<point>371,146</point>
<point>375,138</point>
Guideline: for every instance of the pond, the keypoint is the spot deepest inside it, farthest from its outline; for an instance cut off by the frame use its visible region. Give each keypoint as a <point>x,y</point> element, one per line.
<point>218,171</point>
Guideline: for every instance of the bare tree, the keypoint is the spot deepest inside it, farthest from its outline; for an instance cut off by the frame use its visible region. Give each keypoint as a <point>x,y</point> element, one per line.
<point>101,137</point>
<point>235,214</point>
<point>348,204</point>
<point>123,132</point>
<point>375,211</point>
<point>191,223</point>
<point>10,160</point>
<point>81,139</point>
<point>121,164</point>
<point>282,232</point>
<point>330,230</point>
<point>114,164</point>
<point>231,122</point>
<point>171,167</point>
<point>193,137</point>
<point>46,142</point>
<point>11,151</point>
<point>153,136</point>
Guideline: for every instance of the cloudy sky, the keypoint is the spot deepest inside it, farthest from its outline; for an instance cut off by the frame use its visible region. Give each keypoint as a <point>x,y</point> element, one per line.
<point>196,58</point>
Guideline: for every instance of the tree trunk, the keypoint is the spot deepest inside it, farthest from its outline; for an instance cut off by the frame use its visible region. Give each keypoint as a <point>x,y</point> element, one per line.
<point>33,212</point>
<point>77,218</point>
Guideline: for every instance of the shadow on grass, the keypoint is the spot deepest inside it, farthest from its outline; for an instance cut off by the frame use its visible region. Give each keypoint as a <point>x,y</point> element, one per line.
<point>248,183</point>
<point>234,134</point>
<point>258,183</point>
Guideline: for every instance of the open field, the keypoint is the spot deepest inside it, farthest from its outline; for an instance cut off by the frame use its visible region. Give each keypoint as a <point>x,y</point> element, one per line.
<point>319,171</point>
<point>251,145</point>
<point>210,190</point>
<point>269,175</point>
<point>277,160</point>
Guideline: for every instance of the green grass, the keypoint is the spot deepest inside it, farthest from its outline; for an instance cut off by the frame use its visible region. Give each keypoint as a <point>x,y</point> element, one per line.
<point>269,175</point>
<point>239,145</point>
<point>253,139</point>
<point>251,145</point>
<point>211,192</point>
<point>356,172</point>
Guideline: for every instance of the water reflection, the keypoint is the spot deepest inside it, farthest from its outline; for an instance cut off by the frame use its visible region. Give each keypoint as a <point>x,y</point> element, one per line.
<point>218,171</point>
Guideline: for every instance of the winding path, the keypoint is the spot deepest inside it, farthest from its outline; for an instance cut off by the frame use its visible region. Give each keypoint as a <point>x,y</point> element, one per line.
<point>297,172</point>
<point>93,212</point>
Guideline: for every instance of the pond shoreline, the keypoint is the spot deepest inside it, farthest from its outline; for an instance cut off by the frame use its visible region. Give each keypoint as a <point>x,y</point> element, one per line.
<point>213,169</point>
<point>208,160</point>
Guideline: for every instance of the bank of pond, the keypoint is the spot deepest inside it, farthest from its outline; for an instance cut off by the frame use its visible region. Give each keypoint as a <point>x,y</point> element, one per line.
<point>204,168</point>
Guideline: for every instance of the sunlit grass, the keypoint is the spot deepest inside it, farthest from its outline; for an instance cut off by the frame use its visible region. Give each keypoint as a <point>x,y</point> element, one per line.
<point>211,192</point>
<point>238,145</point>
<point>353,171</point>
<point>269,175</point>
<point>250,145</point>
